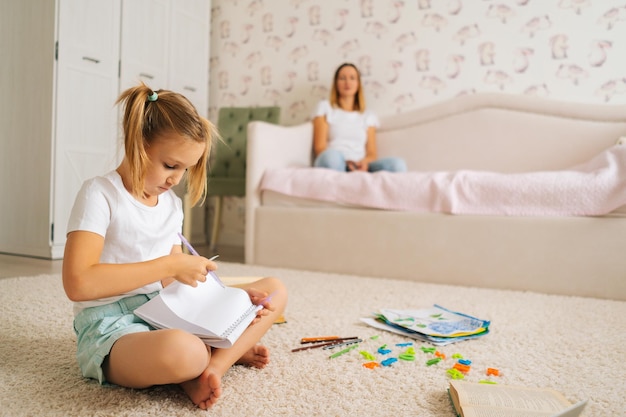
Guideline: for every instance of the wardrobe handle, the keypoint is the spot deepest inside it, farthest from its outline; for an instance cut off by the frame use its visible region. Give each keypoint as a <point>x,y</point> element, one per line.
<point>90,59</point>
<point>148,76</point>
<point>188,88</point>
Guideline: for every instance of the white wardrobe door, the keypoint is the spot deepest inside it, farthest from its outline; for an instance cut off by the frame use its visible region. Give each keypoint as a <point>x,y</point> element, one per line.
<point>87,87</point>
<point>145,43</point>
<point>189,51</point>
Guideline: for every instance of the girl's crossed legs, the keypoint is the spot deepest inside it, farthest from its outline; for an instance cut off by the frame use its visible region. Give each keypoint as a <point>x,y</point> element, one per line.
<point>140,360</point>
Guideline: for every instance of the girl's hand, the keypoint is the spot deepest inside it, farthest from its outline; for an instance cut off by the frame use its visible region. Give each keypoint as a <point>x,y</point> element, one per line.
<point>189,269</point>
<point>260,298</point>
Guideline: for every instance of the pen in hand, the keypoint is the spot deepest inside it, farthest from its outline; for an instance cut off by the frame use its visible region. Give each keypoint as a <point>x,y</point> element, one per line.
<point>188,245</point>
<point>194,252</point>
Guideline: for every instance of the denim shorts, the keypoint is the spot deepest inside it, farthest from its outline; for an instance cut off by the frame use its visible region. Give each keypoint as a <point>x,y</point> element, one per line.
<point>98,328</point>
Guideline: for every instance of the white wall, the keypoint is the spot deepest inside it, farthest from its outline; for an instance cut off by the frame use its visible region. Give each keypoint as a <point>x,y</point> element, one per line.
<point>412,53</point>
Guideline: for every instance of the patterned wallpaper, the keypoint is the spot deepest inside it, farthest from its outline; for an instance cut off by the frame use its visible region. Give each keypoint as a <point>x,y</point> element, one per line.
<point>411,53</point>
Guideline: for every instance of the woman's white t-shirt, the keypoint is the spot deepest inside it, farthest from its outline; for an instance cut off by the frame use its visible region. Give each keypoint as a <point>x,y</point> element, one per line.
<point>347,130</point>
<point>133,232</point>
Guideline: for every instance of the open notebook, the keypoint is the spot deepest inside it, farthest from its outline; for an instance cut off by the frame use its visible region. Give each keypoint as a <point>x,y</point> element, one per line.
<point>215,314</point>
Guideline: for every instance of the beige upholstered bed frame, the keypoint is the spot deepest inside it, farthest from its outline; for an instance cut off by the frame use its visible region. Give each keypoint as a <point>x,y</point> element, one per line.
<point>583,256</point>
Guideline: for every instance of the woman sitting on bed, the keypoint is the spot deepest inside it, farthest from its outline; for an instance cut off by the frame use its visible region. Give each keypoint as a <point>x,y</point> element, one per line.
<point>344,133</point>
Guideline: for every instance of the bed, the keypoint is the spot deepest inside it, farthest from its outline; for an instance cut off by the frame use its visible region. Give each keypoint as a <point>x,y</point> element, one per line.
<point>560,252</point>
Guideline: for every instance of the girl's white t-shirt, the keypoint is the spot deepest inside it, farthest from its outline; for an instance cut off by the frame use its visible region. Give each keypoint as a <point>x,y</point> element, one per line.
<point>347,130</point>
<point>133,232</point>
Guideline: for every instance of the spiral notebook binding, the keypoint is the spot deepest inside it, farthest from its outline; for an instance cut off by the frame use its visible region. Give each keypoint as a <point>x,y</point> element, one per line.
<point>237,322</point>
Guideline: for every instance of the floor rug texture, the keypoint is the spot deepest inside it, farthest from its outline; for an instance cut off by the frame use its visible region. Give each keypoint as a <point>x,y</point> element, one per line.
<point>574,345</point>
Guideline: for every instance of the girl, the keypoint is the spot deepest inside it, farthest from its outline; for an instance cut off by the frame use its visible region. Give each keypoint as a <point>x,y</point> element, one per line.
<point>122,248</point>
<point>344,133</point>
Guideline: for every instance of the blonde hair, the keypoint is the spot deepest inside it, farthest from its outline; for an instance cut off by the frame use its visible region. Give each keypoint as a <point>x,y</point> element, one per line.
<point>149,115</point>
<point>359,98</point>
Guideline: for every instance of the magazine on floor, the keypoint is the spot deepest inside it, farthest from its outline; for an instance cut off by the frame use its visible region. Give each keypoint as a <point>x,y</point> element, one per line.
<point>436,324</point>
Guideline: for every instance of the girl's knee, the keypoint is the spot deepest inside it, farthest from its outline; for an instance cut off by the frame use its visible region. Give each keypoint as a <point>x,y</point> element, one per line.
<point>276,288</point>
<point>185,354</point>
<point>274,284</point>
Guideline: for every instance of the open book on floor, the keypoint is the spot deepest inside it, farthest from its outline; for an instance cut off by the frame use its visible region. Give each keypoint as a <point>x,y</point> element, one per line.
<point>215,314</point>
<point>471,399</point>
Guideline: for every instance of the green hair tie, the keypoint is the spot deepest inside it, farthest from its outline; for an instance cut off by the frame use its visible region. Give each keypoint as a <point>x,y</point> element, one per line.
<point>153,96</point>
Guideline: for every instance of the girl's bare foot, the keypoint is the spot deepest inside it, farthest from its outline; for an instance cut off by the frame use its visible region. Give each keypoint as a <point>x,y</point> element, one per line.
<point>258,356</point>
<point>205,390</point>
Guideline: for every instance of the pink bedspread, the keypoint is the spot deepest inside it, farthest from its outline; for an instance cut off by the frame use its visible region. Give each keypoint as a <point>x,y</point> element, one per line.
<point>593,188</point>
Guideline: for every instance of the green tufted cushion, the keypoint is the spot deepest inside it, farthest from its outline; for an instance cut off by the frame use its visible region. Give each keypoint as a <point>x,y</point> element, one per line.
<point>227,171</point>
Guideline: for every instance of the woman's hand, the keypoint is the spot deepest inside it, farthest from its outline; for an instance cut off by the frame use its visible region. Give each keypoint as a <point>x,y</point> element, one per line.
<point>361,165</point>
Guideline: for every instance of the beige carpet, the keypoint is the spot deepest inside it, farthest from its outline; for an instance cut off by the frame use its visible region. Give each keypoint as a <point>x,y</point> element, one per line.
<point>575,345</point>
